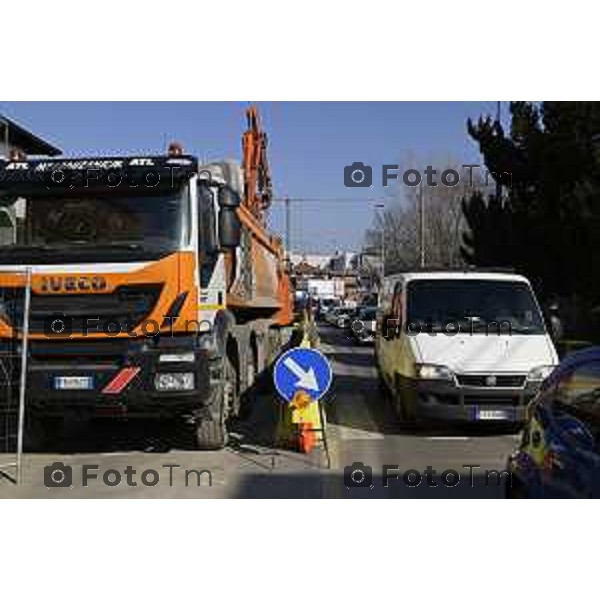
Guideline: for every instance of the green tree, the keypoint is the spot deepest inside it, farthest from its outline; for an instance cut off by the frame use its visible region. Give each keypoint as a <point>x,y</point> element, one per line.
<point>546,223</point>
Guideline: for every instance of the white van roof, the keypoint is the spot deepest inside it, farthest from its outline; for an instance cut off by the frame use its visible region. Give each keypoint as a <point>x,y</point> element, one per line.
<point>470,274</point>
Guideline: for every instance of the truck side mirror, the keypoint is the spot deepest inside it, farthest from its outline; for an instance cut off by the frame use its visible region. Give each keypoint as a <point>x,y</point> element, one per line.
<point>228,197</point>
<point>230,228</point>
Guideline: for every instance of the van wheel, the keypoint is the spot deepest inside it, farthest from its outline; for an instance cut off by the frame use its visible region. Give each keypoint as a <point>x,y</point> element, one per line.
<point>382,387</point>
<point>407,413</point>
<point>406,409</point>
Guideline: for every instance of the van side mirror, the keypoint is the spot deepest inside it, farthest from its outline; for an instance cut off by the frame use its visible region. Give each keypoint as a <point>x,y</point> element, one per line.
<point>230,228</point>
<point>556,328</point>
<point>391,327</point>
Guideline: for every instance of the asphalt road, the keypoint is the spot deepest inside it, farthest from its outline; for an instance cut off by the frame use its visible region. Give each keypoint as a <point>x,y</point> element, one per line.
<point>362,427</point>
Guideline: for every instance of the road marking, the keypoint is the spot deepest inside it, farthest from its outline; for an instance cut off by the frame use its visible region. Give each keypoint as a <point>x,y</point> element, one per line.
<point>328,348</point>
<point>444,438</point>
<point>346,433</point>
<point>121,453</point>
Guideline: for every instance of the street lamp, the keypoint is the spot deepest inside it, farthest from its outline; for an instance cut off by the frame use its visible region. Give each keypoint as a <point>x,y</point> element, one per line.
<point>422,225</point>
<point>382,207</point>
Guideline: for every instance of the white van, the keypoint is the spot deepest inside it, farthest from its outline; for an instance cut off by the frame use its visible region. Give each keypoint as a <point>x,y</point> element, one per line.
<point>461,346</point>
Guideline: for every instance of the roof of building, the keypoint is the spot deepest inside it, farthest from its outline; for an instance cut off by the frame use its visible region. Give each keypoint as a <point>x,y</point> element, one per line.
<point>25,140</point>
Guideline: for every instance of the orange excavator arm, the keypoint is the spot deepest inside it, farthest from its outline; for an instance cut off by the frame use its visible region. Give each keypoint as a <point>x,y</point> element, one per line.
<point>271,281</point>
<point>258,189</point>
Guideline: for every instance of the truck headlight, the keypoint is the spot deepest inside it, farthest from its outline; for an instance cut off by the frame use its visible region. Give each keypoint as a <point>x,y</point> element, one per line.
<point>174,382</point>
<point>540,373</point>
<point>425,371</point>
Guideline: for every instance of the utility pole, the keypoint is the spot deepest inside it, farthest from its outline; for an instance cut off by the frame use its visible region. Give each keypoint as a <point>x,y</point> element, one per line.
<point>422,224</point>
<point>382,258</point>
<point>382,252</point>
<point>288,228</point>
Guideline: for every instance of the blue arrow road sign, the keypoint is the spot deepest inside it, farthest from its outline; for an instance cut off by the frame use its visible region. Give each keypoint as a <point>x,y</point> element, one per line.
<point>302,369</point>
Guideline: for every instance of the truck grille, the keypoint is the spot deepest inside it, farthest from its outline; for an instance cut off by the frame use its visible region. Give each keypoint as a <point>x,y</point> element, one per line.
<point>504,381</point>
<point>128,306</point>
<point>80,351</point>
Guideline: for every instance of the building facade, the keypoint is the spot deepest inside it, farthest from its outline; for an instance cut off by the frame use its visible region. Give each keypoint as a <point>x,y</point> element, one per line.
<point>16,139</point>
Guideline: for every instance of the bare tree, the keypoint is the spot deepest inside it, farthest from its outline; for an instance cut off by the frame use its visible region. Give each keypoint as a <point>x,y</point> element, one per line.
<point>443,222</point>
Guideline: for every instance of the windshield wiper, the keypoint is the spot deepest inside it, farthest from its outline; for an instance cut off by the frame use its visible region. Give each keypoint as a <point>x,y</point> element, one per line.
<point>129,245</point>
<point>92,246</point>
<point>84,248</point>
<point>525,329</point>
<point>29,248</point>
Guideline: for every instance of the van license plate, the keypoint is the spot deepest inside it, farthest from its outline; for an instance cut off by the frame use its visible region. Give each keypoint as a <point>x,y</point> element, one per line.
<point>73,383</point>
<point>492,415</point>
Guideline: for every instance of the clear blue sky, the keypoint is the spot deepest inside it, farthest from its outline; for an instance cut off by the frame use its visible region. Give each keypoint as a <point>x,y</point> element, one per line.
<point>309,145</point>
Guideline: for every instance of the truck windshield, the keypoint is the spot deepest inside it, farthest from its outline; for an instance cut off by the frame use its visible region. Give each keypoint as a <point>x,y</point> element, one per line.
<point>473,306</point>
<point>100,227</point>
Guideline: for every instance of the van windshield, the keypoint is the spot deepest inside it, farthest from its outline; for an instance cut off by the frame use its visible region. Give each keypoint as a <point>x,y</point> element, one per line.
<point>473,306</point>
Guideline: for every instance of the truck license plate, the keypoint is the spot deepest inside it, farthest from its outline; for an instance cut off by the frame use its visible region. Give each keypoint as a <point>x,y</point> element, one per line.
<point>492,415</point>
<point>74,383</point>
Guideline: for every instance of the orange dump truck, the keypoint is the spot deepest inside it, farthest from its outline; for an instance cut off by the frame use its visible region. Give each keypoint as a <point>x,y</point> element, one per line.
<point>156,290</point>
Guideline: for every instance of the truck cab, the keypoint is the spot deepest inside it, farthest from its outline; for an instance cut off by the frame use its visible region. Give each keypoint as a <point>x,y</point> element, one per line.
<point>134,271</point>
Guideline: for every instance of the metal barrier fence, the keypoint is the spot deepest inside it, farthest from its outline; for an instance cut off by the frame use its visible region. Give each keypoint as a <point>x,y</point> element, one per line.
<point>13,376</point>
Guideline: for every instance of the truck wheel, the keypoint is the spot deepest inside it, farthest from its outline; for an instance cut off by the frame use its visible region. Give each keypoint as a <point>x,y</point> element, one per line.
<point>211,429</point>
<point>210,435</point>
<point>244,406</point>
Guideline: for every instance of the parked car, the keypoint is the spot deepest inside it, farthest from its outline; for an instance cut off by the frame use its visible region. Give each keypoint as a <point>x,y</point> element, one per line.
<point>462,345</point>
<point>559,449</point>
<point>342,317</point>
<point>334,315</point>
<point>326,305</point>
<point>363,325</point>
<point>331,315</point>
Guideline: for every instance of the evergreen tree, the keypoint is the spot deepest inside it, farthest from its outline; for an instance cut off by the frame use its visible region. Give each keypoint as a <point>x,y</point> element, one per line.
<point>547,222</point>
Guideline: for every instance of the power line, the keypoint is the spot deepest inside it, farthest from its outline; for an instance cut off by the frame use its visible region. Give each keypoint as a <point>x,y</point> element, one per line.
<point>336,200</point>
<point>288,201</point>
